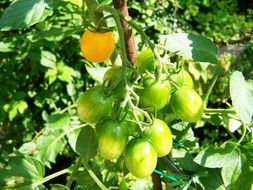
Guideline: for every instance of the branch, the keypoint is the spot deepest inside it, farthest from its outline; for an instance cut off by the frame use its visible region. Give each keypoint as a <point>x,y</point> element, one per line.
<point>121,5</point>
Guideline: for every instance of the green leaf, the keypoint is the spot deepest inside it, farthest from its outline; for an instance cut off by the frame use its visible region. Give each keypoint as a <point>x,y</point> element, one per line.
<point>48,59</point>
<point>240,174</point>
<point>24,13</point>
<point>184,160</point>
<point>213,180</point>
<point>83,178</point>
<point>49,146</point>
<point>22,173</point>
<point>86,144</point>
<point>231,171</point>
<point>58,121</point>
<point>241,95</point>
<point>97,73</point>
<point>184,134</point>
<point>191,47</point>
<point>6,47</point>
<point>65,73</point>
<point>59,187</point>
<point>213,157</point>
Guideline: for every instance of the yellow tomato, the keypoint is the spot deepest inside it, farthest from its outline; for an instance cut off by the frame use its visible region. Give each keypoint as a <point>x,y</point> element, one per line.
<point>97,46</point>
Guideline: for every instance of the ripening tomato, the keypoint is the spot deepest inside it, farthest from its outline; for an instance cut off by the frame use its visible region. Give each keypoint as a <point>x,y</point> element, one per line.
<point>97,46</point>
<point>112,139</point>
<point>187,104</point>
<point>183,78</point>
<point>160,136</point>
<point>155,93</point>
<point>93,105</point>
<point>140,157</point>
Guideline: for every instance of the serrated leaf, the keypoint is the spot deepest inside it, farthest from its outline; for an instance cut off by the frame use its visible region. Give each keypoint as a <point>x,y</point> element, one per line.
<point>97,73</point>
<point>242,99</point>
<point>49,146</point>
<point>22,173</point>
<point>217,157</point>
<point>191,47</point>
<point>24,13</point>
<point>86,144</point>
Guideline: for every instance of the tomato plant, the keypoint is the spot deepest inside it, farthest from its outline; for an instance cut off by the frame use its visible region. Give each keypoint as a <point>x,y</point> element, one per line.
<point>112,139</point>
<point>160,136</point>
<point>135,115</point>
<point>90,102</point>
<point>97,46</point>
<point>187,104</point>
<point>140,157</point>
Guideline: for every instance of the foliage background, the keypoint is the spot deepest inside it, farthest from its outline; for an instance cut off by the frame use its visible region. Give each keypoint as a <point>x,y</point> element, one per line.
<point>42,71</point>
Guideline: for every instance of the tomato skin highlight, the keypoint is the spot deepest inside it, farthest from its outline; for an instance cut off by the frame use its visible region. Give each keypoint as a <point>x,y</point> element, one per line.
<point>155,93</point>
<point>112,139</point>
<point>140,157</point>
<point>160,136</point>
<point>97,46</point>
<point>183,78</point>
<point>187,104</point>
<point>93,105</point>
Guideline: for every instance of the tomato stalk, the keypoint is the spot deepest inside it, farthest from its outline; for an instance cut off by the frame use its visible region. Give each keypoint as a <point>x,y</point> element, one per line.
<point>54,175</point>
<point>115,15</point>
<point>94,177</point>
<point>74,169</point>
<point>219,111</point>
<point>147,40</point>
<point>244,130</point>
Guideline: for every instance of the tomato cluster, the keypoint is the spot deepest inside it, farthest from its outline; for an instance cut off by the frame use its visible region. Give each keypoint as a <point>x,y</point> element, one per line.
<point>125,120</point>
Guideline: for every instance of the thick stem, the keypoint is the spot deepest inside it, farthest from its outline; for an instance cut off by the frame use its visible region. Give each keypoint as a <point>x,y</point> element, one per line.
<point>121,5</point>
<point>156,179</point>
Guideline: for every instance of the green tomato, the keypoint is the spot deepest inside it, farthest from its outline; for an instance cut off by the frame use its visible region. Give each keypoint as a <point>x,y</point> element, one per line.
<point>183,78</point>
<point>140,157</point>
<point>112,139</point>
<point>93,105</point>
<point>155,94</point>
<point>187,104</point>
<point>145,61</point>
<point>160,136</point>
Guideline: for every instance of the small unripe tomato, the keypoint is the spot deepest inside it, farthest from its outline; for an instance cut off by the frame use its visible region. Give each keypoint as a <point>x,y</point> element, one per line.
<point>155,93</point>
<point>160,136</point>
<point>183,78</point>
<point>145,61</point>
<point>97,46</point>
<point>140,157</point>
<point>93,105</point>
<point>112,139</point>
<point>186,103</point>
